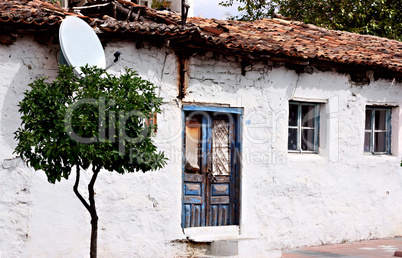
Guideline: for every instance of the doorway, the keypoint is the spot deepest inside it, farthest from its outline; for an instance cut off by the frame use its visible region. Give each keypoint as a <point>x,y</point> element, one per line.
<point>211,166</point>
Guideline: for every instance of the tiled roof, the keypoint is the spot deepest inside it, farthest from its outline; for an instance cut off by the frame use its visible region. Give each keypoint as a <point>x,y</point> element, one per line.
<point>304,41</point>
<point>32,13</point>
<point>269,39</point>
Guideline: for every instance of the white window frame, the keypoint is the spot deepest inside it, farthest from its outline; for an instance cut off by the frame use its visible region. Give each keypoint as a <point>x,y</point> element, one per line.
<point>299,126</point>
<point>372,130</point>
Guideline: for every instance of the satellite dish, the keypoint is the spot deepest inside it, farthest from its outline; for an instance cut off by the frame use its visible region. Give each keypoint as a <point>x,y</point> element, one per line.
<point>80,45</point>
<point>226,15</point>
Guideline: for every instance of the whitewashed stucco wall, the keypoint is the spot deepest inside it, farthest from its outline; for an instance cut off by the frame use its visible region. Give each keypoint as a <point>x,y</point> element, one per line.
<point>308,199</point>
<point>288,200</point>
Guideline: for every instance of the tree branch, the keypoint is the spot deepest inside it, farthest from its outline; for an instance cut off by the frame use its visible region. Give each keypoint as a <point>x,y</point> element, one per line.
<point>94,215</point>
<point>75,188</point>
<point>91,188</point>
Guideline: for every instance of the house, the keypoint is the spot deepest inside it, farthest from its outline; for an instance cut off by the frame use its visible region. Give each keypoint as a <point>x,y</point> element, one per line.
<point>279,134</point>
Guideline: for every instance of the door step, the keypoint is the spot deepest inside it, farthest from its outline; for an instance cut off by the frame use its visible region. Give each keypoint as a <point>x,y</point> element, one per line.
<point>223,248</point>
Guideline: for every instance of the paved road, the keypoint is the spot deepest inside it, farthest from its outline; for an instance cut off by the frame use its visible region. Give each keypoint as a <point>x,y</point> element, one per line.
<point>370,248</point>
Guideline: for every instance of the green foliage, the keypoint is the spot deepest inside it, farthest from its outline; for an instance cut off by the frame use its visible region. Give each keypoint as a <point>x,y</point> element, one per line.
<point>375,17</point>
<point>251,10</point>
<point>107,111</point>
<point>160,4</point>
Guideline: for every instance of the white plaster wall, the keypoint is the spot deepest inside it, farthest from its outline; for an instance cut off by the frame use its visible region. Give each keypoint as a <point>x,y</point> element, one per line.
<point>176,6</point>
<point>139,214</point>
<point>20,64</point>
<point>288,200</point>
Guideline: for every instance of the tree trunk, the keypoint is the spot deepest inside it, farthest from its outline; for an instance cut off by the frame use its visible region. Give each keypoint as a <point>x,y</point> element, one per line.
<point>90,207</point>
<point>94,215</point>
<point>94,234</point>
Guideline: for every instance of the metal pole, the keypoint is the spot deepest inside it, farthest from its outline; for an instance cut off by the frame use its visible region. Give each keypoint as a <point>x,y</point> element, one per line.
<point>183,3</point>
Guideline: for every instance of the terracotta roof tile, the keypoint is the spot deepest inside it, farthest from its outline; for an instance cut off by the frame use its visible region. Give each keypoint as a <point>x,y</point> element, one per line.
<point>262,38</point>
<point>311,42</point>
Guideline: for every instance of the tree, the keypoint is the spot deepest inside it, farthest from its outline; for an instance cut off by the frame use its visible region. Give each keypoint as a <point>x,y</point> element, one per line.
<point>375,17</point>
<point>92,121</point>
<point>251,10</point>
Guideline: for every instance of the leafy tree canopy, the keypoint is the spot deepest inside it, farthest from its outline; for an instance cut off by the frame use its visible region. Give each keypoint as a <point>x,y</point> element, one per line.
<point>375,17</point>
<point>96,119</point>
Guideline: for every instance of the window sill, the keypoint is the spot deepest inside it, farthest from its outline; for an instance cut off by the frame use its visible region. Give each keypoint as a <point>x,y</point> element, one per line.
<point>384,155</point>
<point>305,156</point>
<point>211,234</point>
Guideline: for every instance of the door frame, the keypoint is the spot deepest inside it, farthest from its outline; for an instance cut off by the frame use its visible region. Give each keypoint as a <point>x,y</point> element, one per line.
<point>236,156</point>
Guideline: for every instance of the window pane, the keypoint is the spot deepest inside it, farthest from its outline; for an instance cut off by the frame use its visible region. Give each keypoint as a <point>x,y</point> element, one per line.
<point>220,148</point>
<point>368,119</point>
<point>367,142</point>
<point>292,139</point>
<point>293,110</point>
<point>308,115</point>
<point>380,118</point>
<point>379,142</point>
<point>193,139</point>
<point>307,142</point>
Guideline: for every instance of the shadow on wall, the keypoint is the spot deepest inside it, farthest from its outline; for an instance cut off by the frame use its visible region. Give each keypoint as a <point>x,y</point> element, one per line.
<point>25,61</point>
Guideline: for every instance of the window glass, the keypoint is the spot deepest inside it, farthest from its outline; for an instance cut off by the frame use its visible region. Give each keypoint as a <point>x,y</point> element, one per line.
<point>303,127</point>
<point>292,139</point>
<point>377,138</point>
<point>293,114</point>
<point>193,139</point>
<point>368,119</point>
<point>380,142</point>
<point>367,141</point>
<point>380,116</point>
<point>308,115</point>
<point>307,139</point>
<point>220,147</point>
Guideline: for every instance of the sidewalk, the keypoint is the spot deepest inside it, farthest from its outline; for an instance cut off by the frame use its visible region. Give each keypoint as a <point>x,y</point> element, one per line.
<point>370,248</point>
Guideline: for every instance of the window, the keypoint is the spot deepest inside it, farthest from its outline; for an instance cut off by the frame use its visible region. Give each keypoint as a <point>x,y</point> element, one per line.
<point>303,127</point>
<point>142,2</point>
<point>211,148</point>
<point>152,121</point>
<point>377,134</point>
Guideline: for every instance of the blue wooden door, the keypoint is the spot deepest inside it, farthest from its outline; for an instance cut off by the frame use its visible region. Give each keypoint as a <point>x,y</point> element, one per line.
<point>211,168</point>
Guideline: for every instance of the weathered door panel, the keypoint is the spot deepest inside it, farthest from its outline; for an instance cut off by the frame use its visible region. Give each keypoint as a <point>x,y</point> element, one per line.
<point>193,201</point>
<point>219,212</point>
<point>210,185</point>
<point>219,178</point>
<point>194,179</point>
